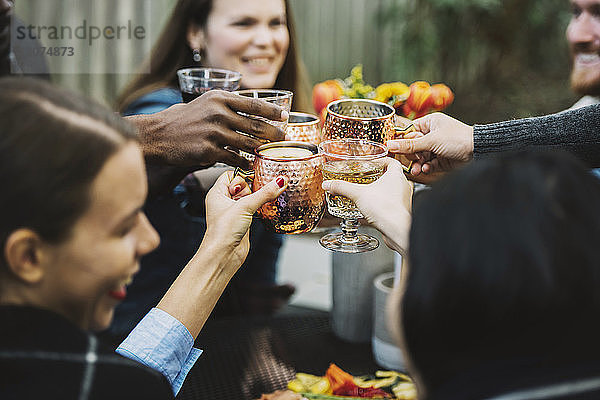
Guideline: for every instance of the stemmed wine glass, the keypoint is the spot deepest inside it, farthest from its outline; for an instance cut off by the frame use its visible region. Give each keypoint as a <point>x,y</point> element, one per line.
<point>353,160</point>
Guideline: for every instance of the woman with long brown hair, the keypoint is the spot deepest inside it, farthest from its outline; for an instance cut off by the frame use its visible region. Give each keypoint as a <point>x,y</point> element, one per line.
<point>174,51</point>
<point>257,39</point>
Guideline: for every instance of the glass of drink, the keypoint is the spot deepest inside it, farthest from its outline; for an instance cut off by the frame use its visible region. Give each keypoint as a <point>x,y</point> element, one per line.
<point>357,161</point>
<point>194,82</point>
<point>282,98</point>
<point>300,207</point>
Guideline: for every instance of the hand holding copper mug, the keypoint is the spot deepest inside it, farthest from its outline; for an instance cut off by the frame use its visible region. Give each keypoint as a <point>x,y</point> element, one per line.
<point>363,119</point>
<point>300,207</point>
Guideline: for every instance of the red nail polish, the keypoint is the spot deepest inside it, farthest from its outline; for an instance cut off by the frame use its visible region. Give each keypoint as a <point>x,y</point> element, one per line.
<point>236,189</point>
<point>280,182</point>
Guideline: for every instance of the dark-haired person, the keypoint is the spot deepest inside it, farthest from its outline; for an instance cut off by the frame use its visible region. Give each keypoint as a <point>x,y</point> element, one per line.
<point>72,233</point>
<point>257,39</point>
<point>501,296</point>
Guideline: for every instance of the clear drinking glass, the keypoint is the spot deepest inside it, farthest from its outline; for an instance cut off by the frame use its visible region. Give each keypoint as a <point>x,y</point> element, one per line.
<point>282,98</point>
<point>353,160</point>
<point>194,82</point>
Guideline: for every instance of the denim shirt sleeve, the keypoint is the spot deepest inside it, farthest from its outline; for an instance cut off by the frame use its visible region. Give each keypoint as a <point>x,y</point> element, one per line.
<point>154,102</point>
<point>162,343</point>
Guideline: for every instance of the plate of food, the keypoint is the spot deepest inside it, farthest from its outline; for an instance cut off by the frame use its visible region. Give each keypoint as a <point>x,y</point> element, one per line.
<point>337,384</point>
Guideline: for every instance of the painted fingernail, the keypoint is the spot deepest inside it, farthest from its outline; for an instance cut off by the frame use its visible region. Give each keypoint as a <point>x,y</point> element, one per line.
<point>237,189</point>
<point>280,182</point>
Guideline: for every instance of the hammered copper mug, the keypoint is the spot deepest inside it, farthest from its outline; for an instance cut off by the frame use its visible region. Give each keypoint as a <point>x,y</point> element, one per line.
<point>363,119</point>
<point>300,207</point>
<point>304,127</point>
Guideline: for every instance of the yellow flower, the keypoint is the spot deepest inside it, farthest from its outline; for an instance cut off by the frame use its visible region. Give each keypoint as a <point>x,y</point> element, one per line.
<point>394,90</point>
<point>383,92</point>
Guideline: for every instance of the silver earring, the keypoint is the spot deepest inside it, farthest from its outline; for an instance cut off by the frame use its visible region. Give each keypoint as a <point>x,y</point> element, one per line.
<point>196,55</point>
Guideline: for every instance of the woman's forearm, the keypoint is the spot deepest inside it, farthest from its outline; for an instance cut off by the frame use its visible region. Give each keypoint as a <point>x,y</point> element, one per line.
<point>193,295</point>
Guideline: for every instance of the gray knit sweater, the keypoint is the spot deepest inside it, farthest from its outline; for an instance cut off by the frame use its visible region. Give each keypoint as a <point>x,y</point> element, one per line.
<point>577,131</point>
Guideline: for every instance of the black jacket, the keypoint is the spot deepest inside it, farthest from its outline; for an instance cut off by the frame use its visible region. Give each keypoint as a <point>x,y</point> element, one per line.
<point>44,356</point>
<point>539,378</point>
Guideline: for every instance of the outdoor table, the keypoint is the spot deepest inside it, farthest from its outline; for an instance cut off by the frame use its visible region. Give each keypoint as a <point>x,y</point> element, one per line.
<point>247,356</point>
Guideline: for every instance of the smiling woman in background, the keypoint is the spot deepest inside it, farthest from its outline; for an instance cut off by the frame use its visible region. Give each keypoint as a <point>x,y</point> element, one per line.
<point>257,39</point>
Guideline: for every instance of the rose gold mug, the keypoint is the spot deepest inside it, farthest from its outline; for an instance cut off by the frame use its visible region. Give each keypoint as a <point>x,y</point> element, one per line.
<point>303,127</point>
<point>300,207</point>
<point>363,119</point>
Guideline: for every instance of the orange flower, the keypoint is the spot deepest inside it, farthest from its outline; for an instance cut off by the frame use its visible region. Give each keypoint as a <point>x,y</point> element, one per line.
<point>442,96</point>
<point>326,92</point>
<point>420,99</point>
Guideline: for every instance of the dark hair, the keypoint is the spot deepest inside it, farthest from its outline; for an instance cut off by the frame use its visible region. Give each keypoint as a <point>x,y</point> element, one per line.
<point>52,146</point>
<point>172,52</point>
<point>504,264</point>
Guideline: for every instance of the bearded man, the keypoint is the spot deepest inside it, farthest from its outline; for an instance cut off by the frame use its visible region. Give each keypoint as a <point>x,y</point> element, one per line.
<point>583,35</point>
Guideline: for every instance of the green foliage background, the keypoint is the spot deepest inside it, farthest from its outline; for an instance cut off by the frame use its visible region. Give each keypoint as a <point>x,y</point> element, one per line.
<point>503,58</point>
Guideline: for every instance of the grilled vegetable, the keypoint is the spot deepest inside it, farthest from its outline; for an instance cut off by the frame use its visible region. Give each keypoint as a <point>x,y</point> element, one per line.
<point>405,391</point>
<point>316,396</point>
<point>339,385</point>
<point>309,383</point>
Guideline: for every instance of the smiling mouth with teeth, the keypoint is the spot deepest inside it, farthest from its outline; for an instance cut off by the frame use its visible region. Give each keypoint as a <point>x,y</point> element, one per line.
<point>126,282</point>
<point>258,61</point>
<point>587,58</point>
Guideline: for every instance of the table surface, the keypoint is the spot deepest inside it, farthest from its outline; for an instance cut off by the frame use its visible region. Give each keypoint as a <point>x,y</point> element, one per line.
<point>247,356</point>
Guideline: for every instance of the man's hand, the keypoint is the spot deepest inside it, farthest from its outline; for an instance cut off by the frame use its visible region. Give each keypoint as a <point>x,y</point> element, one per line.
<point>440,144</point>
<point>198,134</point>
